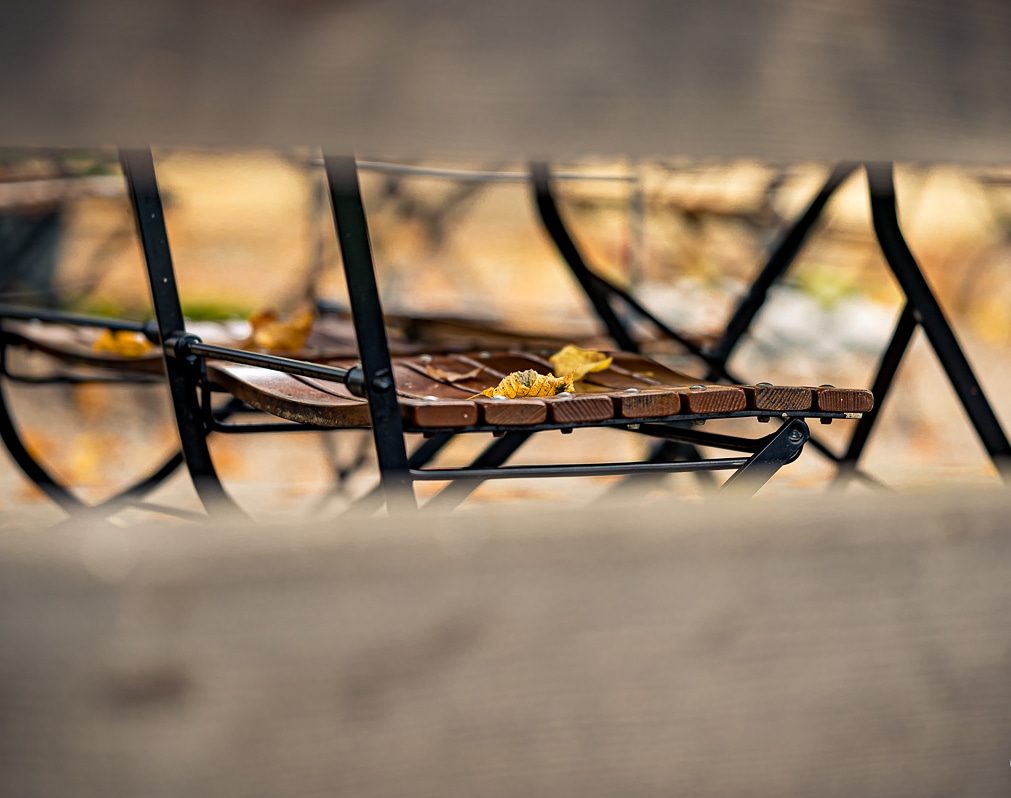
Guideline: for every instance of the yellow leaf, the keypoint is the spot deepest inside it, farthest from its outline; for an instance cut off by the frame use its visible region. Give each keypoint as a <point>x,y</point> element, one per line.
<point>578,362</point>
<point>276,334</point>
<point>123,343</point>
<point>528,384</point>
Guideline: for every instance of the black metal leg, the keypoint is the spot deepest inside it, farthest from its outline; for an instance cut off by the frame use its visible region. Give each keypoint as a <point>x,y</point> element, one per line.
<point>31,467</point>
<point>927,312</point>
<point>183,373</point>
<point>887,369</point>
<point>370,330</point>
<point>496,454</point>
<point>58,493</point>
<point>784,447</point>
<point>420,457</point>
<point>779,261</point>
<point>548,210</point>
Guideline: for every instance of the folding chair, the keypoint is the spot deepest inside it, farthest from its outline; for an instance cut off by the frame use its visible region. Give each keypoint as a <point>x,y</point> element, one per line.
<point>394,396</point>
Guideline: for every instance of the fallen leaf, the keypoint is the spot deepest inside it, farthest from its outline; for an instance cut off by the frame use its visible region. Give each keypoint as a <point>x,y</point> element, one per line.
<point>273,333</point>
<point>529,384</point>
<point>123,342</point>
<point>578,362</point>
<point>451,376</point>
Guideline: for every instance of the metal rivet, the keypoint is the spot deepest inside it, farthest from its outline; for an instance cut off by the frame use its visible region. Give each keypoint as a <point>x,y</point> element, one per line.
<point>382,383</point>
<point>763,384</point>
<point>564,394</point>
<point>430,398</point>
<point>484,355</point>
<point>826,385</point>
<point>796,436</point>
<point>698,387</point>
<point>425,358</point>
<point>633,426</point>
<point>499,399</point>
<point>699,422</point>
<point>631,390</point>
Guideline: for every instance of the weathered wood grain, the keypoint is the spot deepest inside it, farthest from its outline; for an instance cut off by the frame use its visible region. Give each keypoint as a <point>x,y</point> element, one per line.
<point>827,647</point>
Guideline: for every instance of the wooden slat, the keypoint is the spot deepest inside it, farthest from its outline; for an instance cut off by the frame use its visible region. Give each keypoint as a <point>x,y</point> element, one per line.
<point>75,346</point>
<point>579,408</point>
<point>778,397</point>
<point>769,648</point>
<point>714,399</point>
<point>839,400</point>
<point>325,404</point>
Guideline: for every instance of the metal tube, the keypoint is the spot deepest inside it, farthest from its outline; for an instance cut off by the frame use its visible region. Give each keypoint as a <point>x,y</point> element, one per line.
<point>49,316</point>
<point>275,363</point>
<point>779,261</point>
<point>142,186</point>
<point>577,470</point>
<point>497,453</point>
<point>370,331</point>
<point>887,369</point>
<point>931,318</point>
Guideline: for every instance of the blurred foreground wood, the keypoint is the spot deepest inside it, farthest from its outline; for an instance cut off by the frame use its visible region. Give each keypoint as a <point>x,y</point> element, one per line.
<point>785,80</point>
<point>832,647</point>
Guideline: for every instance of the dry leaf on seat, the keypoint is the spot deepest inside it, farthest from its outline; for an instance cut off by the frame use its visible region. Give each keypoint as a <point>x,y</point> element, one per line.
<point>528,384</point>
<point>123,343</point>
<point>578,362</point>
<point>451,376</point>
<point>276,334</point>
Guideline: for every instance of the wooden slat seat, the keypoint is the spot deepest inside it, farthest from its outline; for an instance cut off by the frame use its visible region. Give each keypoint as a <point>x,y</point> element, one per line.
<point>75,345</point>
<point>440,392</point>
<point>437,391</point>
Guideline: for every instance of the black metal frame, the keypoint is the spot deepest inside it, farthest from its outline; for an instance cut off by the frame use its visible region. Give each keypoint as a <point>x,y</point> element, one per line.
<point>32,466</point>
<point>921,310</point>
<point>185,355</point>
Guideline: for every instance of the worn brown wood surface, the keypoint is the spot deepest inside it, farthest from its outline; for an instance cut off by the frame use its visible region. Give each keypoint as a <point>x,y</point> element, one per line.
<point>439,392</point>
<point>75,345</point>
<point>825,647</point>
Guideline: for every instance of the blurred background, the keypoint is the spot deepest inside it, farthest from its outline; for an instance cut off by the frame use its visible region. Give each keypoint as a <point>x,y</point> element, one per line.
<point>252,229</point>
